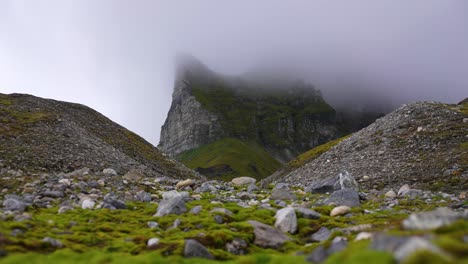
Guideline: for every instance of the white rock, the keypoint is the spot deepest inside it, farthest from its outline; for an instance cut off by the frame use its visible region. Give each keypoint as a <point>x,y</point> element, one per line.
<point>152,242</point>
<point>101,183</point>
<point>184,183</point>
<point>109,172</point>
<point>243,181</point>
<point>286,220</point>
<point>340,210</point>
<point>390,194</point>
<point>403,190</point>
<point>363,235</point>
<point>66,182</point>
<point>88,204</point>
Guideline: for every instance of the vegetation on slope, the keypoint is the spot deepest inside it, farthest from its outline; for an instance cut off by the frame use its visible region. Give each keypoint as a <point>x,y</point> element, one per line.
<point>228,158</point>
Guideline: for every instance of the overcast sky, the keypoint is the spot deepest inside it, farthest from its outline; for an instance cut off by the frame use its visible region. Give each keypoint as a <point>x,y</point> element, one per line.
<point>117,56</point>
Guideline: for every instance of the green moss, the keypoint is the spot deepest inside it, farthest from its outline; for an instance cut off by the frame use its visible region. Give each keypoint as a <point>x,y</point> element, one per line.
<point>228,158</point>
<point>423,257</point>
<point>358,252</point>
<point>314,153</point>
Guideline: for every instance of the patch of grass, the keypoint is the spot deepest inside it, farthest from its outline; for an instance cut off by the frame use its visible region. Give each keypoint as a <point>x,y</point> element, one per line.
<point>228,158</point>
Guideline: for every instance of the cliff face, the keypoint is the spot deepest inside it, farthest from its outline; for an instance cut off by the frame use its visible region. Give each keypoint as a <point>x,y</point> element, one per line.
<point>43,135</point>
<point>207,107</point>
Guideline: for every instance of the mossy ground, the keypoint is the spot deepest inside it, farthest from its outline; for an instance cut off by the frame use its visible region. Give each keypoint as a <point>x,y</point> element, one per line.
<point>243,159</point>
<point>120,236</point>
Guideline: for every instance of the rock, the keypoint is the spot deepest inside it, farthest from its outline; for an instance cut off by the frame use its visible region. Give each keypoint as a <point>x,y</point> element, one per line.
<point>390,194</point>
<point>88,204</point>
<point>65,182</point>
<point>340,210</point>
<point>363,236</point>
<point>348,197</point>
<point>347,181</point>
<point>193,249</point>
<point>52,242</point>
<point>267,236</point>
<point>185,183</point>
<point>388,243</point>
<point>53,194</point>
<point>431,220</point>
<point>152,224</point>
<point>220,210</point>
<point>78,173</point>
<point>152,242</point>
<point>172,203</point>
<point>252,187</point>
<point>109,172</point>
<point>282,194</point>
<point>319,255</point>
<point>337,245</point>
<point>329,184</point>
<point>307,213</point>
<point>133,176</point>
<point>196,209</point>
<point>321,235</point>
<point>218,219</point>
<point>206,187</point>
<point>64,209</point>
<point>463,196</point>
<point>113,203</point>
<point>243,181</point>
<point>143,196</point>
<point>403,190</point>
<point>286,220</point>
<point>245,196</point>
<point>414,244</point>
<point>12,204</point>
<point>237,246</point>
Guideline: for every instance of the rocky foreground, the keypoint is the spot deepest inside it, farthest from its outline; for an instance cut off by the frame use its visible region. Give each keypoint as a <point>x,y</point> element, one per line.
<point>103,217</point>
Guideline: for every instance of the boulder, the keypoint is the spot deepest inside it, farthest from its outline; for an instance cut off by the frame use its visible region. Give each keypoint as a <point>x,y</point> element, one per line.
<point>282,194</point>
<point>185,183</point>
<point>237,246</point>
<point>286,220</point>
<point>12,204</point>
<point>340,210</point>
<point>431,220</point>
<point>193,249</point>
<point>109,172</point>
<point>152,242</point>
<point>347,181</point>
<point>267,236</point>
<point>348,197</point>
<point>321,235</point>
<point>173,203</point>
<point>243,181</point>
<point>326,185</point>
<point>307,213</point>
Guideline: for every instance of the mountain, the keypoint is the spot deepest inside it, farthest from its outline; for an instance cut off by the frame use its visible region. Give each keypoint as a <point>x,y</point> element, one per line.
<point>423,144</point>
<point>282,117</point>
<point>43,135</point>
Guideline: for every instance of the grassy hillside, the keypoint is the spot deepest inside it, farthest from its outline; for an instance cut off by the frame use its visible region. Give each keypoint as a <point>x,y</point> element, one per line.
<point>228,158</point>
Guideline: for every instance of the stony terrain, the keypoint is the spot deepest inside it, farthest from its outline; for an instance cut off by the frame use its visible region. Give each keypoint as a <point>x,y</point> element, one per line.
<point>42,135</point>
<point>85,218</point>
<point>423,144</point>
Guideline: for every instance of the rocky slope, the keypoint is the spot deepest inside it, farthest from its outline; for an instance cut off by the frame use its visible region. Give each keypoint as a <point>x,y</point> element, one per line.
<point>424,144</point>
<point>41,135</point>
<point>285,118</point>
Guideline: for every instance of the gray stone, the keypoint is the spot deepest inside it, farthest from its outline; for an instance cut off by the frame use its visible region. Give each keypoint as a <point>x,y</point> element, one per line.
<point>431,220</point>
<point>113,203</point>
<point>206,187</point>
<point>193,249</point>
<point>87,204</point>
<point>78,173</point>
<point>172,203</point>
<point>403,190</point>
<point>196,209</point>
<point>53,194</point>
<point>252,188</point>
<point>52,242</point>
<point>237,246</point>
<point>267,236</point>
<point>307,213</point>
<point>388,243</point>
<point>152,224</point>
<point>220,210</point>
<point>219,219</point>
<point>152,242</point>
<point>286,220</point>
<point>414,244</point>
<point>65,208</point>
<point>347,181</point>
<point>143,196</point>
<point>337,245</point>
<point>319,255</point>
<point>327,185</point>
<point>321,235</point>
<point>348,197</point>
<point>11,204</point>
<point>282,194</point>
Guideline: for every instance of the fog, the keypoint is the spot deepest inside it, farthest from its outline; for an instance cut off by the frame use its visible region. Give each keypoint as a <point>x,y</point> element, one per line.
<point>118,56</point>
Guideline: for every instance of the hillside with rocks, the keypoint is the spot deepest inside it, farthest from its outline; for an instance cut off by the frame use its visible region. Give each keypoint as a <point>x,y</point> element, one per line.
<point>423,144</point>
<point>46,136</point>
<point>280,118</point>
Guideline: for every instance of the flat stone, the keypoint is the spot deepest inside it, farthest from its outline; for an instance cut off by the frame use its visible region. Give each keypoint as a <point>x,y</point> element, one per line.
<point>185,183</point>
<point>243,181</point>
<point>307,213</point>
<point>267,236</point>
<point>282,194</point>
<point>321,235</point>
